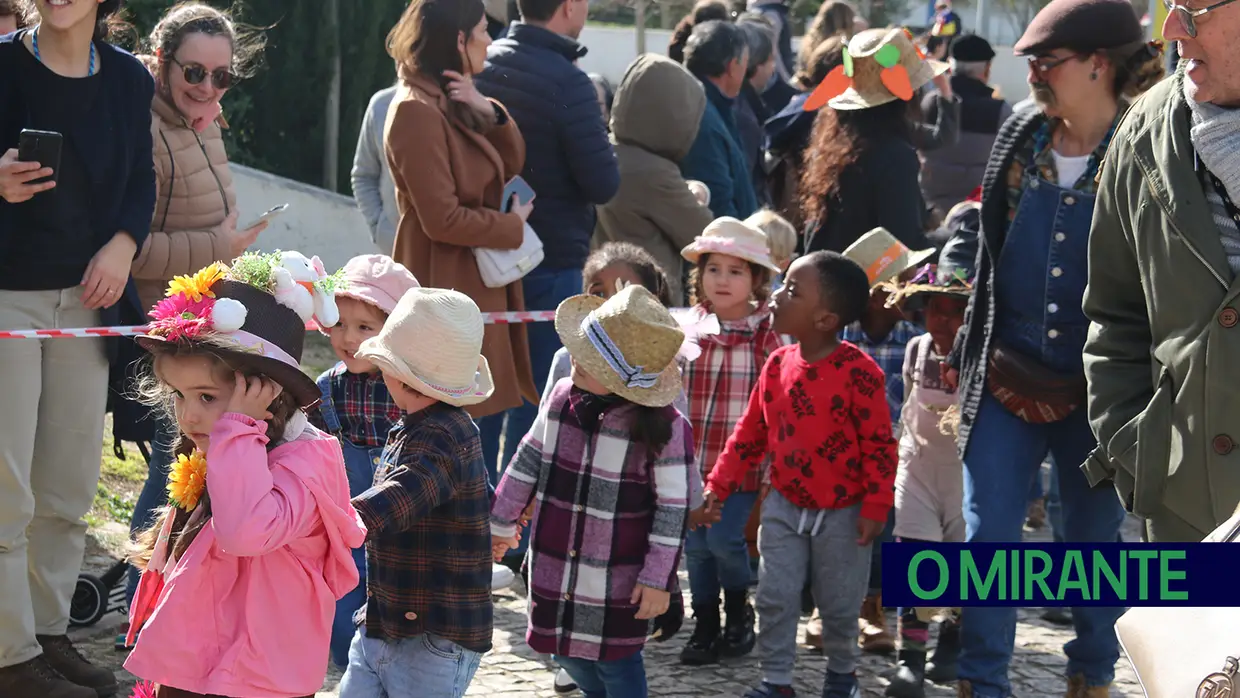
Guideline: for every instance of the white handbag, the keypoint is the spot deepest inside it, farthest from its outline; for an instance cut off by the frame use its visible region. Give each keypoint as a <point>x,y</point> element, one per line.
<point>1184,652</point>
<point>502,267</point>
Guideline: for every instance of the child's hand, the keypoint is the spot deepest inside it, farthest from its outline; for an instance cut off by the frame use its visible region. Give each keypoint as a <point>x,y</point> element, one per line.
<point>526,516</point>
<point>653,602</point>
<point>500,546</point>
<point>868,530</point>
<point>950,375</point>
<point>703,517</point>
<point>252,397</point>
<point>711,504</point>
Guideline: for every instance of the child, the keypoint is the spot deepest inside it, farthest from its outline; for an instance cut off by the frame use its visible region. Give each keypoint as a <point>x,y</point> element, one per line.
<point>428,611</point>
<point>781,238</point>
<point>607,464</point>
<point>240,577</point>
<point>930,479</point>
<point>731,278</point>
<point>819,410</point>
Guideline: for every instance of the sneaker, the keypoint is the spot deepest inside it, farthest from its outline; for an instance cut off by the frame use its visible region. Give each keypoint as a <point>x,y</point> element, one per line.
<point>37,679</point>
<point>501,577</point>
<point>770,690</point>
<point>64,658</point>
<point>564,683</point>
<point>841,686</point>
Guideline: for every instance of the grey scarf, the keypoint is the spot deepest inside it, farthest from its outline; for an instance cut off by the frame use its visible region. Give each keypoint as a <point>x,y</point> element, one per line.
<point>1215,134</point>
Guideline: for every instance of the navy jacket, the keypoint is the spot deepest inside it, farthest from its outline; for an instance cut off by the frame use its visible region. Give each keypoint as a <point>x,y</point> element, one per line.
<point>569,160</point>
<point>717,160</point>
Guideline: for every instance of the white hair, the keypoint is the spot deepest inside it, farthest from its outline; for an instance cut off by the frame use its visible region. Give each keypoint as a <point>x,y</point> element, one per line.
<point>973,69</point>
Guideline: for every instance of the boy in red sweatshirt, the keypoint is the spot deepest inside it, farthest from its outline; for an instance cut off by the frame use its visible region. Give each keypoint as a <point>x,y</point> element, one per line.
<point>820,409</point>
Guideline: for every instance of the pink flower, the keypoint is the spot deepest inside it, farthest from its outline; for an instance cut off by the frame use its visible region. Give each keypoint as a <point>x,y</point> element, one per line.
<point>178,317</point>
<point>144,689</point>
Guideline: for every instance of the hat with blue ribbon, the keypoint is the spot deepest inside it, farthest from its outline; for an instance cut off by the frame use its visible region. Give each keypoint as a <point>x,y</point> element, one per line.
<point>628,342</point>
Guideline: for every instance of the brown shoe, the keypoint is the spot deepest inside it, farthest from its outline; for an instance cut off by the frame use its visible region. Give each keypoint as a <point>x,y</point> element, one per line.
<point>813,631</point>
<point>874,636</point>
<point>65,658</point>
<point>37,679</point>
<point>1078,689</point>
<point>1035,516</point>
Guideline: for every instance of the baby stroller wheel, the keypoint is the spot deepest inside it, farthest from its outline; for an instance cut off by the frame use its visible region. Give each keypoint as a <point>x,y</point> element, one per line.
<point>90,601</point>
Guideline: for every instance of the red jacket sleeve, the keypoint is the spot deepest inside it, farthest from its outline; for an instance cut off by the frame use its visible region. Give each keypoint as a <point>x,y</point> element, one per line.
<point>872,419</point>
<point>746,447</point>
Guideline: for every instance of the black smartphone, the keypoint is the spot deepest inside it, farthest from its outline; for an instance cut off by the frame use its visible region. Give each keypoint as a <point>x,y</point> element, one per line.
<point>42,147</point>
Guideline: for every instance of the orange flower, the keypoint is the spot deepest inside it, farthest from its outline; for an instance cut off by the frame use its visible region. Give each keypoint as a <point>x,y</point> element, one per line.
<point>199,285</point>
<point>188,480</point>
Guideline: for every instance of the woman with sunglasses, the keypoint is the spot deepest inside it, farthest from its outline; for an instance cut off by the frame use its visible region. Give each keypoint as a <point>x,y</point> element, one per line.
<point>74,211</point>
<point>1021,376</point>
<point>196,53</point>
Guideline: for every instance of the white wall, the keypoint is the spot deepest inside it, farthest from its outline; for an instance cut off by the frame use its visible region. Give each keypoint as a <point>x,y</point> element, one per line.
<point>612,49</point>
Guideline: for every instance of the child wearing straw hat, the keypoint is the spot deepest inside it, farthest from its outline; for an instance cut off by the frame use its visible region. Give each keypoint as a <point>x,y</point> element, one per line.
<point>819,411</point>
<point>731,279</point>
<point>428,615</point>
<point>607,464</point>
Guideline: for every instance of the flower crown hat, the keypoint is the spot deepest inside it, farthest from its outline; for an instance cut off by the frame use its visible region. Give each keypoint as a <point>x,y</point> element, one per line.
<point>880,66</point>
<point>254,311</point>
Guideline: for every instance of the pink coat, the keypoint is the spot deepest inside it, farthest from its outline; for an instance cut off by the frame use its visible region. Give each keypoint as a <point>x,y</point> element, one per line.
<point>247,609</point>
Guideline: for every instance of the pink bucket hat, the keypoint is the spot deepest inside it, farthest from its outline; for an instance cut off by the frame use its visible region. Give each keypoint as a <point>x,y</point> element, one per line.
<point>376,279</point>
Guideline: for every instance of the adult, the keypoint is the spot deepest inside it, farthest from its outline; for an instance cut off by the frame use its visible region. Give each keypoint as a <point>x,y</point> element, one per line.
<point>862,164</point>
<point>1022,383</point>
<point>373,187</point>
<point>703,11</point>
<point>195,55</point>
<point>65,252</point>
<point>1164,251</point>
<point>718,57</point>
<point>834,19</point>
<point>570,164</point>
<point>749,108</point>
<point>11,16</point>
<point>451,151</point>
<point>950,173</point>
<point>658,109</point>
<point>778,13</point>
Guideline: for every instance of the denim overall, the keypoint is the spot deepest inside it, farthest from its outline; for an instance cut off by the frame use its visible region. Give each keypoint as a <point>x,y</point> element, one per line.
<point>1040,281</point>
<point>360,464</point>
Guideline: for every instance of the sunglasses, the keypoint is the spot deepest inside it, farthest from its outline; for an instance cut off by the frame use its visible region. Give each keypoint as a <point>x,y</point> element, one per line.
<point>1188,17</point>
<point>222,78</point>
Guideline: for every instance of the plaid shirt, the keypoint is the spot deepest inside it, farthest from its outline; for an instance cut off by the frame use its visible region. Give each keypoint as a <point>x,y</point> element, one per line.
<point>719,382</point>
<point>363,405</point>
<point>889,354</point>
<point>609,516</point>
<point>428,554</point>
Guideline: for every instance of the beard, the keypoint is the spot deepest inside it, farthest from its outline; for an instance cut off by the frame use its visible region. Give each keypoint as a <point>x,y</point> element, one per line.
<point>1043,95</point>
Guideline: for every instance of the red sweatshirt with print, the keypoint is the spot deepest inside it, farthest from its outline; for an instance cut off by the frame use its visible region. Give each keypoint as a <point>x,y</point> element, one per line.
<point>827,427</point>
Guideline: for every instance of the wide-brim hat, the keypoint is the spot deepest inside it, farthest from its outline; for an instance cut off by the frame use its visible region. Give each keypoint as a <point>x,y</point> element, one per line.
<point>268,337</point>
<point>880,66</point>
<point>934,282</point>
<point>734,238</point>
<point>883,257</point>
<point>432,342</point>
<point>628,343</point>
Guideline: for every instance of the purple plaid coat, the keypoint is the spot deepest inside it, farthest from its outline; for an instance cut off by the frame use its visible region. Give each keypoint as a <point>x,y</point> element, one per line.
<point>608,517</point>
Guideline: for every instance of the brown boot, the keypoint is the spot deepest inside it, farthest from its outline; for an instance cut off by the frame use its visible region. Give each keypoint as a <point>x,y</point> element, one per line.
<point>1035,516</point>
<point>37,679</point>
<point>813,631</point>
<point>964,689</point>
<point>1078,689</point>
<point>874,636</point>
<point>65,658</point>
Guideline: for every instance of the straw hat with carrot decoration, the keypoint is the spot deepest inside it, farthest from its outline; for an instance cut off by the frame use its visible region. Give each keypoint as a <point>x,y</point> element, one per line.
<point>880,66</point>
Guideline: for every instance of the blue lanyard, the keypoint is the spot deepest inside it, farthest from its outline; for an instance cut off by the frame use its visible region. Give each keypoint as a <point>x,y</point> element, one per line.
<point>34,41</point>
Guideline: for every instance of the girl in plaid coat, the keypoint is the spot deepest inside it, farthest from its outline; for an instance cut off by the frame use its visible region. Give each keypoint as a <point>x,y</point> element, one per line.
<point>731,279</point>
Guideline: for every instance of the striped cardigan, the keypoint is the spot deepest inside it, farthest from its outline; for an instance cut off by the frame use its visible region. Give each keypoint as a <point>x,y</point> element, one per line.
<point>608,517</point>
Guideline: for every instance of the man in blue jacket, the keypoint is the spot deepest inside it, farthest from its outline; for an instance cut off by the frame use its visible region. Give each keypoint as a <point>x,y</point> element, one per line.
<point>717,55</point>
<point>569,163</point>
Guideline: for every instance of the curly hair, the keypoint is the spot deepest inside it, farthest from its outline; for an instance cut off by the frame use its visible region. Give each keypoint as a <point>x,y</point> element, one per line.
<point>1136,70</point>
<point>761,281</point>
<point>838,140</point>
<point>704,11</point>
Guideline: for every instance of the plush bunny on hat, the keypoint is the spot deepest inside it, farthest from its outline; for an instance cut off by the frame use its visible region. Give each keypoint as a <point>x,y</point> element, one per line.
<point>298,285</point>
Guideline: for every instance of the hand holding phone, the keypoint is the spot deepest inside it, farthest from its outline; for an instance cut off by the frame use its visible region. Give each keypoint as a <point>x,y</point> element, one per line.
<point>20,181</point>
<point>267,216</point>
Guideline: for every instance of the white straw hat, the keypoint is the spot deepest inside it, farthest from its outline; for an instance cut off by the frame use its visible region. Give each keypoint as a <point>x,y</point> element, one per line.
<point>734,238</point>
<point>432,342</point>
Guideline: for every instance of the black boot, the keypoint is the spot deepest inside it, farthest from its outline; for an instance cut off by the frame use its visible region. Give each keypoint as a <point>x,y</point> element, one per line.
<point>703,645</point>
<point>942,665</point>
<point>909,679</point>
<point>738,637</point>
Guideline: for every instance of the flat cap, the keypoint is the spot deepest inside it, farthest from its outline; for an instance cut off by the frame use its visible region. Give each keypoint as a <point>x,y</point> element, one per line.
<point>1081,25</point>
<point>971,48</point>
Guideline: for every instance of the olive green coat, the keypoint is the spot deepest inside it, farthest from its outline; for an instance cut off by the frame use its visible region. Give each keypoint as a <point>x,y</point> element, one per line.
<point>1163,353</point>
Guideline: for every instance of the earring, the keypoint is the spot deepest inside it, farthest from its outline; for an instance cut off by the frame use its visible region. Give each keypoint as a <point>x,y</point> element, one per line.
<point>1093,75</point>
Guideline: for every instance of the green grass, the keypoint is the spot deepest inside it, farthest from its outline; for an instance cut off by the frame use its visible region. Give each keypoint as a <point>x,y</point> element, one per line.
<point>120,482</point>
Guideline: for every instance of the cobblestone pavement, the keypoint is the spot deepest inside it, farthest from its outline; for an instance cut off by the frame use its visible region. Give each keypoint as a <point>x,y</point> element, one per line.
<point>512,669</point>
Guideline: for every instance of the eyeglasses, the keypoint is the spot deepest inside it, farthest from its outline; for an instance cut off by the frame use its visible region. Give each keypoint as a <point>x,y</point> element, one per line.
<point>222,78</point>
<point>1041,65</point>
<point>1188,17</point>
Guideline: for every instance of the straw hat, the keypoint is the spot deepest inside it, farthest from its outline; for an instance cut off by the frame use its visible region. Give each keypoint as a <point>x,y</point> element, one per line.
<point>628,343</point>
<point>880,66</point>
<point>734,238</point>
<point>432,342</point>
<point>883,257</point>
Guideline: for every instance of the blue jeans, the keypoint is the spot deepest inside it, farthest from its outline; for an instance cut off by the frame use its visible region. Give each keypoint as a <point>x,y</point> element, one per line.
<point>619,678</point>
<point>1003,453</point>
<point>545,289</point>
<point>718,557</point>
<point>154,492</point>
<point>426,665</point>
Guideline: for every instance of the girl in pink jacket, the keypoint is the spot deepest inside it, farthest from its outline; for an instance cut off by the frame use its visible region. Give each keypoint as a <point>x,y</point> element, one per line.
<point>243,569</point>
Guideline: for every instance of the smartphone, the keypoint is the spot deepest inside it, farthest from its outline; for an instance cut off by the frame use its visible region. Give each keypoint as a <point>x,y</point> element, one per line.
<point>518,187</point>
<point>268,215</point>
<point>42,147</point>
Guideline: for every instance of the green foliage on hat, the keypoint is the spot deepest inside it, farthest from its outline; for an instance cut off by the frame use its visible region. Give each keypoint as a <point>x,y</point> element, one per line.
<point>254,269</point>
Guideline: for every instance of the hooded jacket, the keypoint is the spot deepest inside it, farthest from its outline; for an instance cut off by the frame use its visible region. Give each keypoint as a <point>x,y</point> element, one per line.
<point>654,120</point>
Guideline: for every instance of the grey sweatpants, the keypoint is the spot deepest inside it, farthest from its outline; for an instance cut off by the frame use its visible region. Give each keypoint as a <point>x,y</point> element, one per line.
<point>796,542</point>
